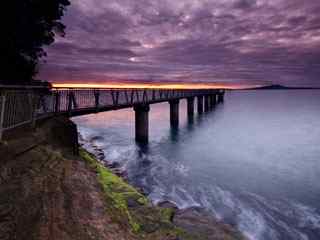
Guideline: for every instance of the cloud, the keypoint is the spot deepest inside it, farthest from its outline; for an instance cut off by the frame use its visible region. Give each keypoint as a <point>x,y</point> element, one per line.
<point>261,40</point>
<point>245,4</point>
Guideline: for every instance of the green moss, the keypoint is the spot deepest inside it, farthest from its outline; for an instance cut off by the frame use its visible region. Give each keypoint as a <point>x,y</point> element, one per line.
<point>167,214</point>
<point>148,221</point>
<point>116,190</point>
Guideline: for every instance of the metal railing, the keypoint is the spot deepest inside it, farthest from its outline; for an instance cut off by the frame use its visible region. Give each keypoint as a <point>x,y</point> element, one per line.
<point>17,107</point>
<point>23,106</point>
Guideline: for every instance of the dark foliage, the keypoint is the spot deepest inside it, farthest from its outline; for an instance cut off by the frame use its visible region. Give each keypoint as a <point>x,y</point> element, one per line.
<point>26,26</point>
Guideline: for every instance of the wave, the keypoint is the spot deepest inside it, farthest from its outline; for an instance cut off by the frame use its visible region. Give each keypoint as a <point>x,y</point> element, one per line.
<point>257,217</point>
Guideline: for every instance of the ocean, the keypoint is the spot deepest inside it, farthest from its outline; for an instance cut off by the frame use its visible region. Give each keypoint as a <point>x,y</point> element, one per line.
<point>253,161</point>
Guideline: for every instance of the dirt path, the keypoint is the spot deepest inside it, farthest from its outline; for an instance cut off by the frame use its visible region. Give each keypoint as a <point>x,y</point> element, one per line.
<point>46,196</point>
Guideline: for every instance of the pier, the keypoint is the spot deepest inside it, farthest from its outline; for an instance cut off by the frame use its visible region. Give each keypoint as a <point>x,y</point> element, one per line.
<point>26,105</point>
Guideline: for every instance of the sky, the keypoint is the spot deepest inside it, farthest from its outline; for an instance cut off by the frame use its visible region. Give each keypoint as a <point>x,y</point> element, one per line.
<point>260,41</point>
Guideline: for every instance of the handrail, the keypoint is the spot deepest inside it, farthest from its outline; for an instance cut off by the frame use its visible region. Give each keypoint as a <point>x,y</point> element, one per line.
<point>5,87</point>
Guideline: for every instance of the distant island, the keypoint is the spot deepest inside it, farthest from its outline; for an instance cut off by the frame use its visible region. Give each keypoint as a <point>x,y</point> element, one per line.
<point>280,87</point>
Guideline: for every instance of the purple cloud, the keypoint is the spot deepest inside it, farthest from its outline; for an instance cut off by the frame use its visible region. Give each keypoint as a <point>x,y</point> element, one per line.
<point>190,40</point>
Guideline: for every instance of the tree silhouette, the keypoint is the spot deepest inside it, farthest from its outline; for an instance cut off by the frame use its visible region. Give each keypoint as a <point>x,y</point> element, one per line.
<point>27,27</point>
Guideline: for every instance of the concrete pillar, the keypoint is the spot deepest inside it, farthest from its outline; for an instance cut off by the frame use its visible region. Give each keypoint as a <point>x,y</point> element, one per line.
<point>142,123</point>
<point>213,99</point>
<point>174,113</point>
<point>206,103</point>
<point>190,106</point>
<point>200,104</point>
<point>221,96</point>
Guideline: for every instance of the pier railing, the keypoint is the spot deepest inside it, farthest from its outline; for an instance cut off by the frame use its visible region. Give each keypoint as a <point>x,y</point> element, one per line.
<point>75,101</point>
<point>23,105</point>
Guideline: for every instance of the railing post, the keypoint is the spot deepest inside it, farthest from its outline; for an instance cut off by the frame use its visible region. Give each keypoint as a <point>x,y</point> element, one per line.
<point>145,96</point>
<point>57,103</point>
<point>74,100</point>
<point>42,102</point>
<point>70,102</point>
<point>127,97</point>
<point>33,106</point>
<point>97,99</point>
<point>3,104</point>
<point>153,95</point>
<point>132,96</point>
<point>117,97</point>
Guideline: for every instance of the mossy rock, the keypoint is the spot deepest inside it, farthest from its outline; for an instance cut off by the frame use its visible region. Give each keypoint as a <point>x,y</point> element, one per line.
<point>134,207</point>
<point>131,208</point>
<point>117,192</point>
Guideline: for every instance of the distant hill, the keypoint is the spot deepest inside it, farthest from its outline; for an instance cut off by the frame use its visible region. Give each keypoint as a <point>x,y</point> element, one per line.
<point>281,87</point>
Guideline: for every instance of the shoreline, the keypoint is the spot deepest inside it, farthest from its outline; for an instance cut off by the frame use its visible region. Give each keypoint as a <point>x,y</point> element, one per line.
<point>51,191</point>
<point>185,215</point>
<point>100,156</point>
<point>195,222</point>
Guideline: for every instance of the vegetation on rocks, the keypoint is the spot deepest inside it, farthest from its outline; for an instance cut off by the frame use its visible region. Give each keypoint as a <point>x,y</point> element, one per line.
<point>128,206</point>
<point>132,209</point>
<point>115,189</point>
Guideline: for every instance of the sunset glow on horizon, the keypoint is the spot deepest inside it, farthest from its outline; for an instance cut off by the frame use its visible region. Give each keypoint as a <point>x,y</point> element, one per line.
<point>158,85</point>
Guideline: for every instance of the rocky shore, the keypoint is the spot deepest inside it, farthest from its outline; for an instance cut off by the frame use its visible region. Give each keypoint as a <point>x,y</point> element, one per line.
<point>50,189</point>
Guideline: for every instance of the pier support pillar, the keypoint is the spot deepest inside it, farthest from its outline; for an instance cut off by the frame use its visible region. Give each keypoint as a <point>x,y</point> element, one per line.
<point>213,100</point>
<point>221,96</point>
<point>200,104</point>
<point>190,106</point>
<point>206,103</point>
<point>174,113</point>
<point>142,123</point>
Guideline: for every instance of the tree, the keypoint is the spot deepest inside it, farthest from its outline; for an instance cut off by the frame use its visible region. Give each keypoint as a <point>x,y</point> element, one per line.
<point>26,28</point>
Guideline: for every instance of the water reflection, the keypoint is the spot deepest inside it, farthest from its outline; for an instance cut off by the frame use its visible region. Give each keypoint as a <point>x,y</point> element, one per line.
<point>190,123</point>
<point>174,134</point>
